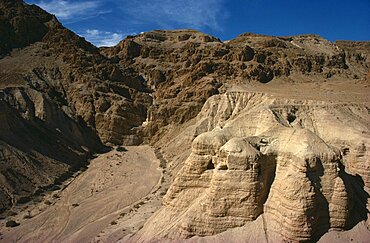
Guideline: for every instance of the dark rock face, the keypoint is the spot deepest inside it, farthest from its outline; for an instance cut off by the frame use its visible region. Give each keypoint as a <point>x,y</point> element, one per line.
<point>22,25</point>
<point>39,144</point>
<point>11,223</point>
<point>356,54</point>
<point>59,101</point>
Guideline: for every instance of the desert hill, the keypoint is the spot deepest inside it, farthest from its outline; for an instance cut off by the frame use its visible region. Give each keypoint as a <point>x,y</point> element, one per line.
<point>265,129</point>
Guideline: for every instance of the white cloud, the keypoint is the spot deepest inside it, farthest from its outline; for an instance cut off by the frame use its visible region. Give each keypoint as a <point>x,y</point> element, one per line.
<point>67,10</point>
<point>103,38</point>
<point>171,13</point>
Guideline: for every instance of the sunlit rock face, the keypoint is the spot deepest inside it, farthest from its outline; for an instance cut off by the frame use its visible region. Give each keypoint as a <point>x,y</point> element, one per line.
<point>300,163</point>
<point>256,155</point>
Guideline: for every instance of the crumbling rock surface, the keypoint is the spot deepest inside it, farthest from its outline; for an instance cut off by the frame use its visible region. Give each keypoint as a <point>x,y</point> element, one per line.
<point>184,68</point>
<point>299,165</point>
<point>60,100</point>
<point>32,131</point>
<point>22,25</point>
<point>252,158</point>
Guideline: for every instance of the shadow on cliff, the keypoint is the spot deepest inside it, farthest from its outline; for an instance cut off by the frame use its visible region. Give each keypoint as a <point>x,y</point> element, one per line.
<point>267,176</point>
<point>72,144</point>
<point>320,210</point>
<point>357,197</point>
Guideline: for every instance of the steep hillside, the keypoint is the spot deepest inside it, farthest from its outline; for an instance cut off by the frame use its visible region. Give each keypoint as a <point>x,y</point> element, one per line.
<point>59,99</point>
<point>183,67</point>
<point>257,130</point>
<point>300,163</point>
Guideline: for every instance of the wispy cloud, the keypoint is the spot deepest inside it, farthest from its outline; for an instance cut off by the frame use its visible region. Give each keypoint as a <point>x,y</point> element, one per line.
<point>137,15</point>
<point>174,13</point>
<point>72,11</point>
<point>103,38</point>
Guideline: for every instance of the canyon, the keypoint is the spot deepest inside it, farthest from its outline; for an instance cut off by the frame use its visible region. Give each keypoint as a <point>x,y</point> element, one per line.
<point>255,139</point>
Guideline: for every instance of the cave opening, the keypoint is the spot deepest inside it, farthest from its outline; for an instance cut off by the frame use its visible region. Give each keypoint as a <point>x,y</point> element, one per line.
<point>210,165</point>
<point>291,118</point>
<point>223,167</point>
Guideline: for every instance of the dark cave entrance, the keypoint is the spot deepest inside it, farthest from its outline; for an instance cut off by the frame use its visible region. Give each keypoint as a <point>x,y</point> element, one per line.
<point>210,165</point>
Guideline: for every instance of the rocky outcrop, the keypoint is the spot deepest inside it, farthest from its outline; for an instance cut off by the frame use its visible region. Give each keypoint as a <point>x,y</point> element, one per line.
<point>22,25</point>
<point>183,68</point>
<point>257,155</point>
<point>60,100</point>
<point>357,52</point>
<point>299,164</point>
<point>39,145</point>
<point>73,73</point>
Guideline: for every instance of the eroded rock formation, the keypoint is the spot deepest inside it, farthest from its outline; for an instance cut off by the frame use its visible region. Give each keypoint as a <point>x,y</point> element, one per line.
<point>261,155</point>
<point>239,146</point>
<point>60,100</point>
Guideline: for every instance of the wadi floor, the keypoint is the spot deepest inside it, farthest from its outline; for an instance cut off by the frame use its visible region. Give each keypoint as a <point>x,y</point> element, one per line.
<point>113,188</point>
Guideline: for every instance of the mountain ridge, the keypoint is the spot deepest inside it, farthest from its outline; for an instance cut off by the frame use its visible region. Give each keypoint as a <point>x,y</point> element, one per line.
<point>62,100</point>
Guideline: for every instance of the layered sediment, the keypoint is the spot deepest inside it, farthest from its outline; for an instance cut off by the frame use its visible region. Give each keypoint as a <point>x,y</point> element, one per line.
<point>259,155</point>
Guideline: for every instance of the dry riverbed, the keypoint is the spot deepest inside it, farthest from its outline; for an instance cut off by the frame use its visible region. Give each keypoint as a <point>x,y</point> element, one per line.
<point>111,199</point>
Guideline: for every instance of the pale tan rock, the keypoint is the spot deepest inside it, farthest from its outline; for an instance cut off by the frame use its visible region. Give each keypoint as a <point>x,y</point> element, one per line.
<point>293,150</point>
<point>261,155</point>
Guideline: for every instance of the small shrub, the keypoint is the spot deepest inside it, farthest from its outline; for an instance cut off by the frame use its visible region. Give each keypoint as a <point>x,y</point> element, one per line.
<point>11,223</point>
<point>121,149</point>
<point>75,205</point>
<point>47,202</point>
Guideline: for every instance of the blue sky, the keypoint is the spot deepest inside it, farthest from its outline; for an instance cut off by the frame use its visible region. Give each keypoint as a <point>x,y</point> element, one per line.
<point>106,22</point>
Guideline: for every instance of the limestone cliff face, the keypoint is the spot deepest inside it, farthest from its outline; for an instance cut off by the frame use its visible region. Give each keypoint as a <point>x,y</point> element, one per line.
<point>259,155</point>
<point>301,163</point>
<point>183,68</point>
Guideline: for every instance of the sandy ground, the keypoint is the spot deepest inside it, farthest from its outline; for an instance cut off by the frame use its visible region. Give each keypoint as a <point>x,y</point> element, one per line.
<point>116,184</point>
<point>114,197</point>
<point>337,91</point>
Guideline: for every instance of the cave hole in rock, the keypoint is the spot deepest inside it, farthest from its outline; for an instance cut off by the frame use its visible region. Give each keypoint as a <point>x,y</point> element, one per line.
<point>210,165</point>
<point>222,167</point>
<point>345,151</point>
<point>291,117</point>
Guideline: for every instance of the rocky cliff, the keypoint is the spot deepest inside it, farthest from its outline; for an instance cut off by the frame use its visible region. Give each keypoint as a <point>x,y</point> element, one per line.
<point>298,163</point>
<point>60,101</point>
<point>184,67</point>
<point>258,126</point>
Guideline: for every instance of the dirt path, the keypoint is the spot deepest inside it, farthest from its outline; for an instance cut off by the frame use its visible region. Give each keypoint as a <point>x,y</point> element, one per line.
<point>133,217</point>
<point>113,183</point>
